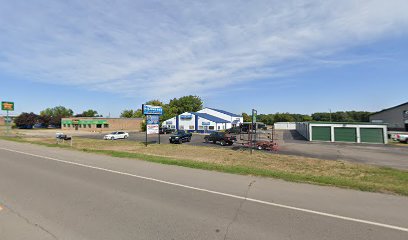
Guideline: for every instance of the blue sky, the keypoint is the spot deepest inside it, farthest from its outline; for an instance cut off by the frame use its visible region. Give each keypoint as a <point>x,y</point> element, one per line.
<point>275,56</point>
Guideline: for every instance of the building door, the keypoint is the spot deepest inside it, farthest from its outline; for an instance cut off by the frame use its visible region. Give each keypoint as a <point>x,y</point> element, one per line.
<point>76,127</point>
<point>371,135</point>
<point>345,134</point>
<point>406,127</point>
<point>321,133</point>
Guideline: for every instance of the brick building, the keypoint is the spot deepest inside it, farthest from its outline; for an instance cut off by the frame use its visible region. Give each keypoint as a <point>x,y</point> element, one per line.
<point>101,124</point>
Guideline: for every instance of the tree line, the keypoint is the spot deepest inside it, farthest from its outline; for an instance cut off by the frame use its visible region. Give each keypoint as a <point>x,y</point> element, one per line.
<point>340,116</point>
<point>50,117</point>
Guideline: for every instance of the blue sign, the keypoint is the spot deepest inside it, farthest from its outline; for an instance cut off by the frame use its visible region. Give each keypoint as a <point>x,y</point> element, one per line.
<point>169,122</point>
<point>152,110</point>
<point>152,119</point>
<point>186,117</point>
<point>205,123</point>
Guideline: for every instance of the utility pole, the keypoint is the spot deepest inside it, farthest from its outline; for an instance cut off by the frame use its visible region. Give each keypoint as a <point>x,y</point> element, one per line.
<point>330,114</point>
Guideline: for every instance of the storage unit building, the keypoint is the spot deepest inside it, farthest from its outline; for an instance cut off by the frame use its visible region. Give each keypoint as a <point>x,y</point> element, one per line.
<point>343,132</point>
<point>395,117</point>
<point>101,124</point>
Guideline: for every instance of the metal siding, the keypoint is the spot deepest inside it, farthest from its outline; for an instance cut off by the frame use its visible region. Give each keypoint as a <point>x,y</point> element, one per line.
<point>321,133</point>
<point>345,134</point>
<point>371,135</point>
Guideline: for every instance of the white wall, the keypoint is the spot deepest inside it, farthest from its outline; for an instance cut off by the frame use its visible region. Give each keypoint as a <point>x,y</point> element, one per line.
<point>170,125</point>
<point>200,123</point>
<point>184,124</point>
<point>303,129</point>
<point>285,125</point>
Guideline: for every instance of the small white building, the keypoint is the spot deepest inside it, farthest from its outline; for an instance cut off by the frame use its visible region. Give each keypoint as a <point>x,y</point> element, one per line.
<point>205,120</point>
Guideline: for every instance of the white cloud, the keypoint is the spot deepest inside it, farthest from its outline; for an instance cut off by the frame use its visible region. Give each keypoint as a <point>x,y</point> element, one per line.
<point>174,47</point>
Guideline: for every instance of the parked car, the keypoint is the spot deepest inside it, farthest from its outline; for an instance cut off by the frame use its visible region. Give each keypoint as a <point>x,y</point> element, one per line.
<point>180,137</point>
<point>402,137</point>
<point>222,137</point>
<point>165,130</point>
<point>62,136</point>
<point>116,135</point>
<point>234,130</point>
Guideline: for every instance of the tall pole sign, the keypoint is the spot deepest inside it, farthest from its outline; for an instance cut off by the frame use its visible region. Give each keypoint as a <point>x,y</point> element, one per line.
<point>253,125</point>
<point>7,106</point>
<point>152,114</point>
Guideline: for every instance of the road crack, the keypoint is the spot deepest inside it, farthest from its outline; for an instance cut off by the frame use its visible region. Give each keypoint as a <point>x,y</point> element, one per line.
<point>239,208</point>
<point>28,221</point>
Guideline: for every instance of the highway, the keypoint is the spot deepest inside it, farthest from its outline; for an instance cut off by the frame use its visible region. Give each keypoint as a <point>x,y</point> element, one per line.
<point>50,193</point>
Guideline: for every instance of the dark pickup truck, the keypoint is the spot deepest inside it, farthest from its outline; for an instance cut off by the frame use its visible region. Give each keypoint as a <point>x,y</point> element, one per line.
<point>180,137</point>
<point>222,137</point>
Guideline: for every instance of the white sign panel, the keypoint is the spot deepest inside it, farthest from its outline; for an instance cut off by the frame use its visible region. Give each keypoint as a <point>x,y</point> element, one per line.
<point>152,129</point>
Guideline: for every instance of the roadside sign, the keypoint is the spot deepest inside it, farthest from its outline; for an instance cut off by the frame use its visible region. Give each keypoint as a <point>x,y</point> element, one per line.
<point>152,119</point>
<point>152,110</point>
<point>254,113</point>
<point>152,129</point>
<point>7,106</point>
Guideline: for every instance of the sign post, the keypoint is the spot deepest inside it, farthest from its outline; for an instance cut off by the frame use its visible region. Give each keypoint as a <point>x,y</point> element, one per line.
<point>7,106</point>
<point>152,114</point>
<point>253,137</point>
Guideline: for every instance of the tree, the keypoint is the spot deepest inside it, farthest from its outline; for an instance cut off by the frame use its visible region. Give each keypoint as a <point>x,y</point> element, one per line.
<point>26,120</point>
<point>88,113</point>
<point>56,113</point>
<point>283,117</point>
<point>246,117</point>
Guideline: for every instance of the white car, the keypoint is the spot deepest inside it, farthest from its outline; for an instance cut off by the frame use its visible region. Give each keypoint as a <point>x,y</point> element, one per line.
<point>116,135</point>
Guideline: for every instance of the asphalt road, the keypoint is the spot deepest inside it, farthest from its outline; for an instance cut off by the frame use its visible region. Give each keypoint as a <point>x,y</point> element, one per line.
<point>48,193</point>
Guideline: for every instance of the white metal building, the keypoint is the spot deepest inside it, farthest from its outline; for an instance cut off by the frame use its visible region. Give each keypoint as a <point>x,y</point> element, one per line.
<point>234,119</point>
<point>205,120</point>
<point>343,132</point>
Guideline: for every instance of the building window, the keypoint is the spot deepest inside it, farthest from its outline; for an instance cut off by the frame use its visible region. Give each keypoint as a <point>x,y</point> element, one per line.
<point>80,126</point>
<point>191,127</point>
<point>219,127</point>
<point>201,127</point>
<point>181,127</point>
<point>65,125</point>
<point>211,127</point>
<point>69,125</point>
<point>84,126</point>
<point>173,126</point>
<point>89,125</point>
<point>98,125</point>
<point>105,125</point>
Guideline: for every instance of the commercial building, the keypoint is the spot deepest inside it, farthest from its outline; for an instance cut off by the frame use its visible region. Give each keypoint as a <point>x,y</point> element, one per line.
<point>205,120</point>
<point>343,132</point>
<point>101,124</point>
<point>395,117</point>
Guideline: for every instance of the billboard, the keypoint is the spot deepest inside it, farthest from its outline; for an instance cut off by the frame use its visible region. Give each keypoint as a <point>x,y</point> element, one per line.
<point>152,110</point>
<point>7,106</point>
<point>152,129</point>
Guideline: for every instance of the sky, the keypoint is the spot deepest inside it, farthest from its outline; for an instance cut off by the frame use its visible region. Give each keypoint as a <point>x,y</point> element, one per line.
<point>273,56</point>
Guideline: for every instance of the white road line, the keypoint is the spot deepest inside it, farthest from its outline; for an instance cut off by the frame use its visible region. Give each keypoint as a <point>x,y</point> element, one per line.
<point>219,193</point>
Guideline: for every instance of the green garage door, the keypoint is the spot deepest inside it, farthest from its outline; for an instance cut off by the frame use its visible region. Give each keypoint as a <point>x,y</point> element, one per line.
<point>371,135</point>
<point>343,134</point>
<point>321,133</point>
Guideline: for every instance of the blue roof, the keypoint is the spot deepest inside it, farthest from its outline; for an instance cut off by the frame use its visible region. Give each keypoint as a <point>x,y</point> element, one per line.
<point>210,117</point>
<point>225,112</point>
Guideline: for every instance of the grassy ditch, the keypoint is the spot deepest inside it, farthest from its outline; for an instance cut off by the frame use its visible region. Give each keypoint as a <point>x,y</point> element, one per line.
<point>289,168</point>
